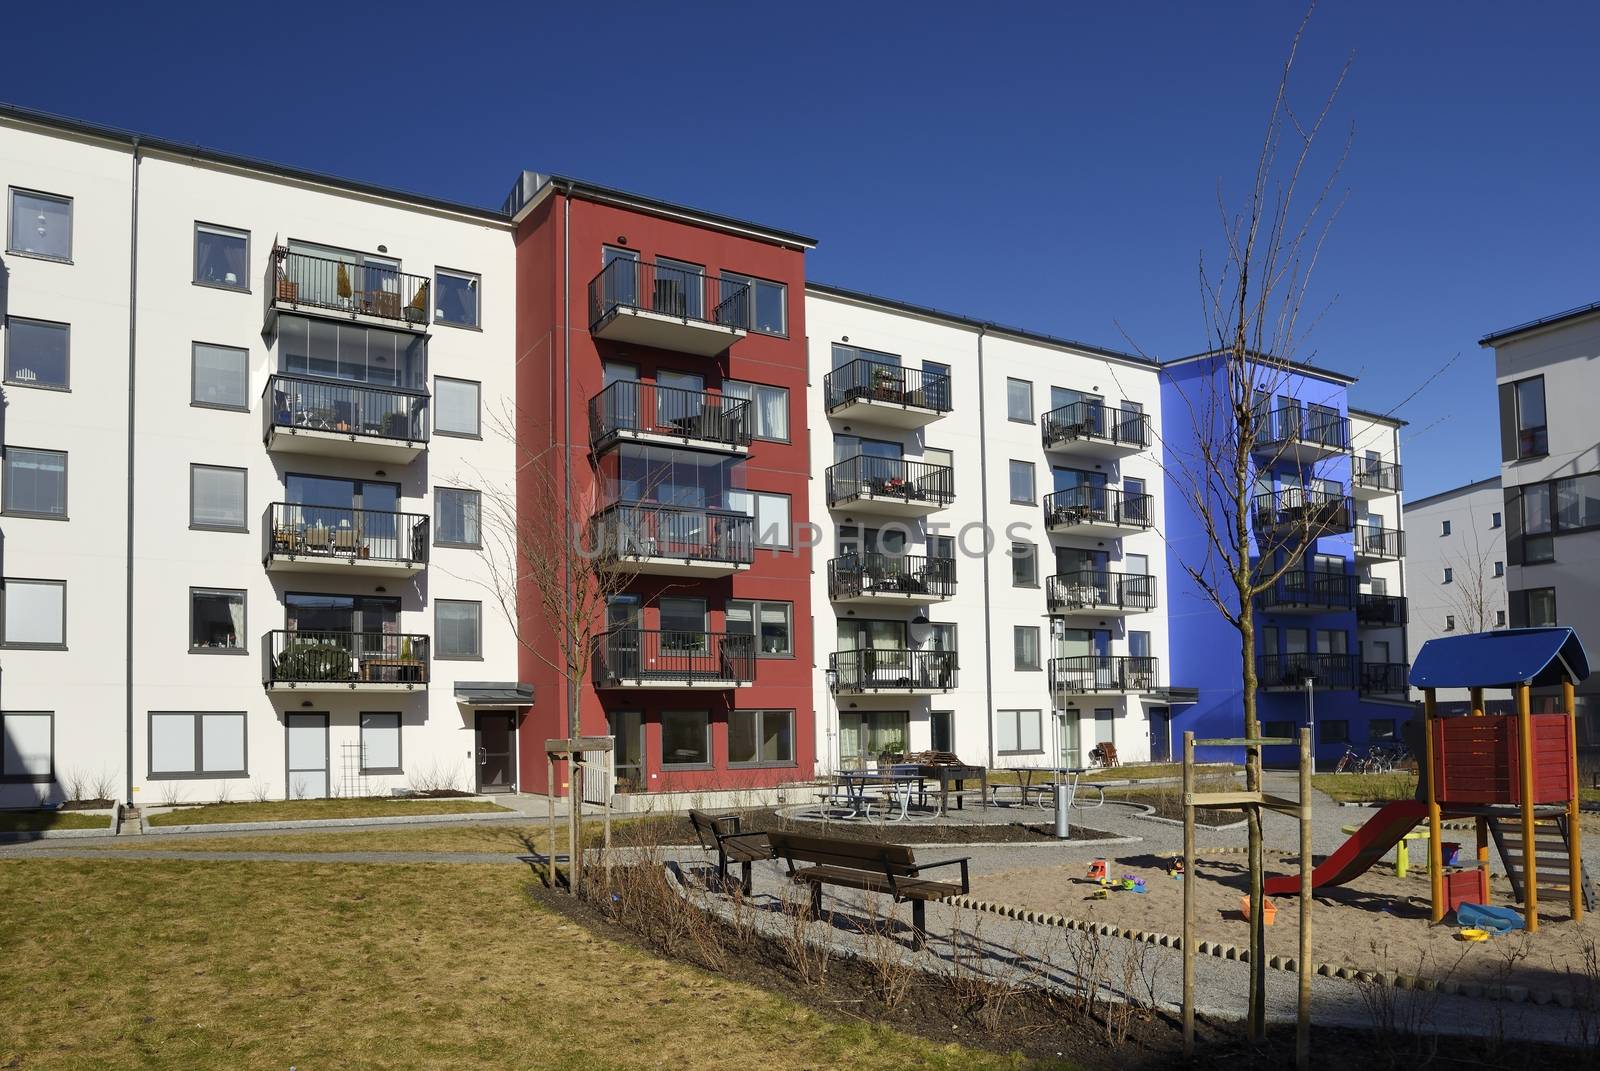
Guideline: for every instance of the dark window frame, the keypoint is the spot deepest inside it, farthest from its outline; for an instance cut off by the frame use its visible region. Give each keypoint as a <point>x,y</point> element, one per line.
<point>1019,749</point>
<point>1033,410</point>
<point>753,282</point>
<point>438,525</point>
<point>1540,431</point>
<point>5,587</point>
<point>399,741</point>
<point>194,377</point>
<point>243,647</point>
<point>477,409</point>
<point>29,779</point>
<point>243,527</point>
<point>6,509</point>
<point>199,773</point>
<point>232,232</point>
<point>11,381</point>
<point>72,223</point>
<point>476,280</point>
<point>756,387</point>
<point>1017,632</point>
<point>711,755</point>
<point>438,633</point>
<point>755,624</point>
<point>760,714</point>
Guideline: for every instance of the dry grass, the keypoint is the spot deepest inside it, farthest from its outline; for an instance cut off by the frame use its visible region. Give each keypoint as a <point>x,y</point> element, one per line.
<point>1145,771</point>
<point>302,810</point>
<point>1366,787</point>
<point>505,838</point>
<point>34,821</point>
<point>200,966</point>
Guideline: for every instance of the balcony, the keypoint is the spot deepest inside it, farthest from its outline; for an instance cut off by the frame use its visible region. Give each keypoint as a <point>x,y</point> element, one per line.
<point>629,658</point>
<point>888,485</point>
<point>1384,678</point>
<point>319,661</point>
<point>1300,592</point>
<point>891,578</point>
<point>677,540</point>
<point>1102,675</point>
<point>891,671</point>
<point>362,293</point>
<point>1100,593</point>
<point>1087,428</point>
<point>1288,672</point>
<point>1381,611</point>
<point>1371,479</point>
<point>1090,510</point>
<point>630,411</point>
<point>669,308</point>
<point>1374,544</point>
<point>353,421</point>
<point>353,542</point>
<point>886,394</point>
<point>1297,515</point>
<point>1301,435</point>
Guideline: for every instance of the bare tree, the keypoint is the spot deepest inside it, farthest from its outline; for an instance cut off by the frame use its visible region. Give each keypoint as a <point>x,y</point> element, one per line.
<point>1476,594</point>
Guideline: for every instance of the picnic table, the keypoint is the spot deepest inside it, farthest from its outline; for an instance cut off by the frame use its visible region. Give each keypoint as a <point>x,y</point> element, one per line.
<point>897,787</point>
<point>1032,779</point>
<point>947,774</point>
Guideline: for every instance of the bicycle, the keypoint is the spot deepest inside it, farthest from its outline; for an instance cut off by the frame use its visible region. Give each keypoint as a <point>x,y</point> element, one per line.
<point>1344,765</point>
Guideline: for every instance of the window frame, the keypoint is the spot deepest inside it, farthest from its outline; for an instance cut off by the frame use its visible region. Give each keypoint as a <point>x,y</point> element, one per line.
<point>476,279</point>
<point>243,528</point>
<point>27,778</point>
<point>759,763</point>
<point>231,232</point>
<point>1341,737</point>
<point>1033,482</point>
<point>1032,556</point>
<point>1444,528</point>
<point>1016,722</point>
<point>1032,410</point>
<point>1449,576</point>
<point>243,647</point>
<point>755,389</point>
<point>1019,632</point>
<point>438,652</point>
<point>399,741</point>
<point>11,381</point>
<point>194,377</point>
<point>711,755</point>
<point>477,413</point>
<point>199,773</point>
<point>1374,737</point>
<point>753,281</point>
<point>11,217</point>
<point>23,645</point>
<point>1516,415</point>
<point>438,526</point>
<point>756,606</point>
<point>6,509</point>
<point>755,517</point>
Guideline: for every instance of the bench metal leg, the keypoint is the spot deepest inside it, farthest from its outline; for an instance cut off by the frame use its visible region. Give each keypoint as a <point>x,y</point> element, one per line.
<point>919,924</point>
<point>816,899</point>
<point>745,873</point>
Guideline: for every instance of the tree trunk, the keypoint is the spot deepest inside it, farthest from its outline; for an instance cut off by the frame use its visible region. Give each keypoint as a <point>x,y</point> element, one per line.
<point>1258,936</point>
<point>574,787</point>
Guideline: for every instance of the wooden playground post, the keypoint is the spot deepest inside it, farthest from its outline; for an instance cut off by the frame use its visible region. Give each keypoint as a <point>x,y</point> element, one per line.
<point>550,793</point>
<point>1530,864</point>
<point>1477,702</point>
<point>1435,846</point>
<point>1569,701</point>
<point>1302,1034</point>
<point>1188,894</point>
<point>1480,824</point>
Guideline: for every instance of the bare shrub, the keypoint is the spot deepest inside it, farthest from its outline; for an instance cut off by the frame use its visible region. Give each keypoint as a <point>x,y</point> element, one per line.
<point>74,783</point>
<point>807,958</point>
<point>891,971</point>
<point>171,793</point>
<point>1401,1019</point>
<point>437,776</point>
<point>104,786</point>
<point>643,898</point>
<point>224,791</point>
<point>1087,961</point>
<point>259,791</point>
<point>1584,1029</point>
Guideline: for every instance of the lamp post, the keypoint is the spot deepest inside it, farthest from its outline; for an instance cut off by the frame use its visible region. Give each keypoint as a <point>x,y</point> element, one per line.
<point>1311,718</point>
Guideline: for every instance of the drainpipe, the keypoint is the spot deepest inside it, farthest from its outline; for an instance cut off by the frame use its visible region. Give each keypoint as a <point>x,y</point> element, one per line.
<point>566,436</point>
<point>133,332</point>
<point>983,502</point>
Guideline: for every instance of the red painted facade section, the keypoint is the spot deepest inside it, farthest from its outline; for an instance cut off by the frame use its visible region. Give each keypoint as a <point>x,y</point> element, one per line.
<point>554,269</point>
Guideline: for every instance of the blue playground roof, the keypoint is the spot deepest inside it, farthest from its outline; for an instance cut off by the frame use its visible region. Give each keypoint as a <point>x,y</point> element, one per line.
<point>1536,656</point>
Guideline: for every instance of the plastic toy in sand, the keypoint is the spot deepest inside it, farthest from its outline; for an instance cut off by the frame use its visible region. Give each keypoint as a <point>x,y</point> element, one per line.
<point>1097,870</point>
<point>1176,869</point>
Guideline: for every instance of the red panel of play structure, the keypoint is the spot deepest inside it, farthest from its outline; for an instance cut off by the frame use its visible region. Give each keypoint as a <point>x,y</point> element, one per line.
<point>1475,760</point>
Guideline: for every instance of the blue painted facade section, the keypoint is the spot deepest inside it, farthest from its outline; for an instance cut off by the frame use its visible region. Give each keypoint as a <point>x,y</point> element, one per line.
<point>1204,648</point>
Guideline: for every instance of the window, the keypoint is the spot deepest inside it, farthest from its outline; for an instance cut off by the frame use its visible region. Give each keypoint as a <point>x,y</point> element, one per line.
<point>1500,619</point>
<point>35,483</point>
<point>41,225</point>
<point>1380,729</point>
<point>29,741</point>
<point>217,498</point>
<point>35,613</point>
<point>219,377</point>
<point>864,735</point>
<point>1333,731</point>
<point>1022,483</point>
<point>1444,528</point>
<point>1017,732</point>
<point>1499,568</point>
<point>1025,644</point>
<point>197,745</point>
<point>455,407</point>
<point>455,298</point>
<point>216,621</point>
<point>455,517</point>
<point>1533,608</point>
<point>1538,544</point>
<point>1494,519</point>
<point>683,624</point>
<point>1533,438</point>
<point>1449,575</point>
<point>1449,622</point>
<point>1024,565</point>
<point>761,738</point>
<point>1577,502</point>
<point>380,743</point>
<point>1019,400</point>
<point>776,625</point>
<point>942,731</point>
<point>771,513</point>
<point>685,738</point>
<point>767,414</point>
<point>458,628</point>
<point>37,353</point>
<point>767,303</point>
<point>1279,730</point>
<point>221,257</point>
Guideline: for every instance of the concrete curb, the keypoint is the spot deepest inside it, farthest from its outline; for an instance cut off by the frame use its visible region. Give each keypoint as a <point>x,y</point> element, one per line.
<point>323,823</point>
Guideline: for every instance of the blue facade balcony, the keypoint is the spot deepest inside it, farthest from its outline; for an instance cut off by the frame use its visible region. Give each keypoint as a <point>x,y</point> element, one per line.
<point>1301,592</point>
<point>1291,515</point>
<point>1301,434</point>
<point>1289,672</point>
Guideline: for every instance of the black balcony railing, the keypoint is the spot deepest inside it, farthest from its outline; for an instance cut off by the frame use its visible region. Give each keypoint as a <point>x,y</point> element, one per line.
<point>891,574</point>
<point>1100,589</point>
<point>1292,513</point>
<point>1378,542</point>
<point>301,281</point>
<point>681,293</point>
<point>647,530</point>
<point>1326,671</point>
<point>1088,504</point>
<point>890,669</point>
<point>864,476</point>
<point>1286,424</point>
<point>303,656</point>
<point>1095,421</point>
<point>629,406</point>
<point>1090,674</point>
<point>1370,474</point>
<point>1301,590</point>
<point>879,381</point>
<point>1381,611</point>
<point>1384,678</point>
<point>304,403</point>
<point>293,530</point>
<point>671,657</point>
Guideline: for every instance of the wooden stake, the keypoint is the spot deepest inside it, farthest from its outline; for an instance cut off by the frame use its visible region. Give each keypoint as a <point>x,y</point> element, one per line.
<point>1435,847</point>
<point>1569,700</point>
<point>550,794</point>
<point>1189,879</point>
<point>1530,864</point>
<point>1302,1033</point>
<point>606,849</point>
<point>1483,849</point>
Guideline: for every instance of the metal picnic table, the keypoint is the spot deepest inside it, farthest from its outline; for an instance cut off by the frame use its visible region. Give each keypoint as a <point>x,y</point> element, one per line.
<point>1064,777</point>
<point>899,788</point>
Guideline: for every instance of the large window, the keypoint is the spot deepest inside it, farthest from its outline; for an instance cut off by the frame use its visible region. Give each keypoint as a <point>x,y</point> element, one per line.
<point>455,517</point>
<point>1577,500</point>
<point>767,415</point>
<point>1022,483</point>
<point>455,407</point>
<point>220,377</point>
<point>35,613</point>
<point>355,353</point>
<point>184,745</point>
<point>767,302</point>
<point>1538,542</point>
<point>35,483</point>
<point>221,257</point>
<point>217,498</point>
<point>771,513</point>
<point>380,743</point>
<point>37,353</point>
<point>761,738</point>
<point>1533,437</point>
<point>1533,608</point>
<point>1024,565</point>
<point>458,628</point>
<point>28,739</point>
<point>1019,400</point>
<point>455,297</point>
<point>216,621</point>
<point>41,225</point>
<point>775,621</point>
<point>1018,732</point>
<point>867,735</point>
<point>683,624</point>
<point>685,738</point>
<point>1025,643</point>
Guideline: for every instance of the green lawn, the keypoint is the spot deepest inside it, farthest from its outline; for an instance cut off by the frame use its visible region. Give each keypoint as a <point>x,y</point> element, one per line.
<point>499,837</point>
<point>1366,787</point>
<point>300,810</point>
<point>219,966</point>
<point>35,821</point>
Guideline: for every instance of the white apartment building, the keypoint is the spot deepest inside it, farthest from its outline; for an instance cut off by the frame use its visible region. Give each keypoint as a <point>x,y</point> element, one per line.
<point>929,435</point>
<point>1381,553</point>
<point>248,411</point>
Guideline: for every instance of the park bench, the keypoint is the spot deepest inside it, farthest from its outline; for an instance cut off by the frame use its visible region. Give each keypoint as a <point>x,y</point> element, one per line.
<point>720,833</point>
<point>856,864</point>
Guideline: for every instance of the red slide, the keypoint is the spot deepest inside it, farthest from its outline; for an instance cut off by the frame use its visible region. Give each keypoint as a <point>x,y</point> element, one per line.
<point>1356,855</point>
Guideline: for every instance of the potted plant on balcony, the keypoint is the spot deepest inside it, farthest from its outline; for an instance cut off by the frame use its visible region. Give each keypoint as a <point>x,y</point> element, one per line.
<point>416,312</point>
<point>314,661</point>
<point>343,285</point>
<point>883,384</point>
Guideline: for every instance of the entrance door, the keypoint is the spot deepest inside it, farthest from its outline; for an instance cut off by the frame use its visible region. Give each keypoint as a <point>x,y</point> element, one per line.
<point>307,751</point>
<point>496,755</point>
<point>1160,734</point>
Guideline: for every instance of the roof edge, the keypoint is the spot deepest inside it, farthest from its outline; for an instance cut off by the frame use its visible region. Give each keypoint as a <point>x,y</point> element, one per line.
<point>1475,485</point>
<point>1534,325</point>
<point>1298,366</point>
<point>1382,418</point>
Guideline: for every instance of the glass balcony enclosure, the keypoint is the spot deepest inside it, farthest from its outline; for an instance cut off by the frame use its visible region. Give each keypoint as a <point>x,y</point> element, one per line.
<point>352,353</point>
<point>668,476</point>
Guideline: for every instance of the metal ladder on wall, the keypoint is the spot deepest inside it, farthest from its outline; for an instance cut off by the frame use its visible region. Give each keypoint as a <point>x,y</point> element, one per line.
<point>1550,853</point>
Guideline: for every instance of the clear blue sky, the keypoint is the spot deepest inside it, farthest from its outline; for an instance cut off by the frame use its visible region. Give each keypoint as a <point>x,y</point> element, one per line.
<point>1056,169</point>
